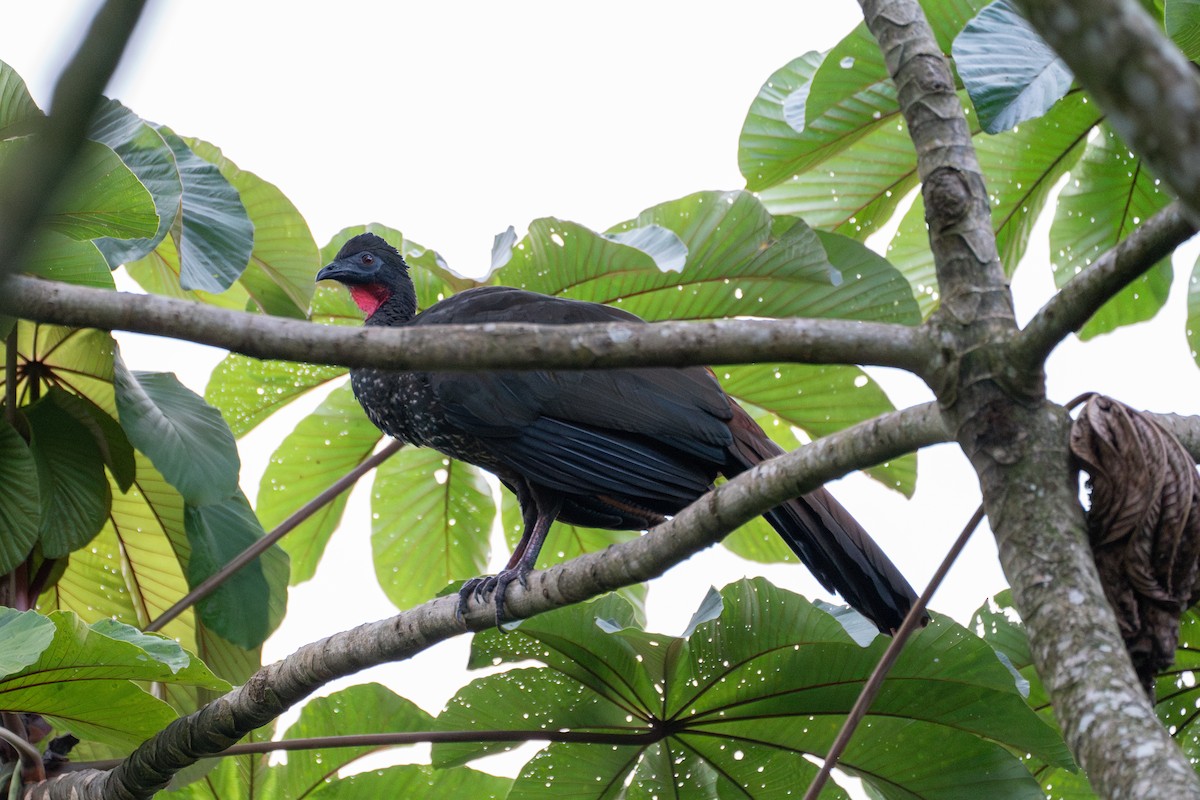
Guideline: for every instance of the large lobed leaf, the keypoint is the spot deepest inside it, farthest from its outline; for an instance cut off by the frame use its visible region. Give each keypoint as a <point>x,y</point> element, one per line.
<point>1111,192</point>
<point>187,440</point>
<point>314,773</point>
<point>20,500</point>
<point>768,680</point>
<point>83,678</point>
<point>323,447</point>
<point>430,523</point>
<point>279,276</point>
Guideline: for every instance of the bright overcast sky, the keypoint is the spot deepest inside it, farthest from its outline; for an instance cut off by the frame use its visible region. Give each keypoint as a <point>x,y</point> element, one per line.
<point>451,121</point>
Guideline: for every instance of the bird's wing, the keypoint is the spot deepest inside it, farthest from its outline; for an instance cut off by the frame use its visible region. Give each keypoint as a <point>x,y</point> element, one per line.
<point>617,430</point>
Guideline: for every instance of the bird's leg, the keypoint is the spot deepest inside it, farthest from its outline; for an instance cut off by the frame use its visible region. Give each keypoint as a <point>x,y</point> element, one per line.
<point>539,509</point>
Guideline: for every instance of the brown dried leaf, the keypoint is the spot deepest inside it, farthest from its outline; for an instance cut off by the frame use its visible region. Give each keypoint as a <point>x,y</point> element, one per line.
<point>1144,525</point>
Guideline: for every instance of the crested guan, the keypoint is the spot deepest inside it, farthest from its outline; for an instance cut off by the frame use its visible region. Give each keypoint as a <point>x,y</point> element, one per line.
<point>619,448</point>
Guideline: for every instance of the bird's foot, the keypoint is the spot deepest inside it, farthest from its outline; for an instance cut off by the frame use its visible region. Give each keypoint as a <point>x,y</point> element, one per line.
<point>494,585</point>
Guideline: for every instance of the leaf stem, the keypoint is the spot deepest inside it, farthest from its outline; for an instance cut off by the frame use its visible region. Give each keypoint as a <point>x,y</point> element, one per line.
<point>639,738</point>
<point>209,585</point>
<point>875,681</point>
<point>10,377</point>
<point>12,731</point>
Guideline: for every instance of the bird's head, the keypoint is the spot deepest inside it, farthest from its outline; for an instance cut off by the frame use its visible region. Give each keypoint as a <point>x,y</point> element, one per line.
<point>377,277</point>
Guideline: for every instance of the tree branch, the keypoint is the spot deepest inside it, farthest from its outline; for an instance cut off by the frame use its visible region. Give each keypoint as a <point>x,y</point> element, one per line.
<point>28,183</point>
<point>731,341</point>
<point>1017,441</point>
<point>276,687</point>
<point>1074,305</point>
<point>971,281</point>
<point>1147,87</point>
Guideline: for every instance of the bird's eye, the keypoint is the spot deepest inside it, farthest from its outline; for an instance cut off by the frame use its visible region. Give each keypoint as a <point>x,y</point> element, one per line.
<point>368,259</point>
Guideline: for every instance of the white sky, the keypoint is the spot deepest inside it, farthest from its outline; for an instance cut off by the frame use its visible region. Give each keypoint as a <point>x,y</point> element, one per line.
<point>453,120</point>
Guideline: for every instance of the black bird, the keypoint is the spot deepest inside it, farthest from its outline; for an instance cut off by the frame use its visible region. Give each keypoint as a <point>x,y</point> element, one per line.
<point>620,449</point>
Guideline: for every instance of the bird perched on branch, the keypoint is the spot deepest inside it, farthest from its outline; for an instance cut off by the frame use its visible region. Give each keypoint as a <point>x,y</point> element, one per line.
<point>619,448</point>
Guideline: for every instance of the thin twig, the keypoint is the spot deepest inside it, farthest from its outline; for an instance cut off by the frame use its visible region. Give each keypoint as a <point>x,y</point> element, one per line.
<point>10,377</point>
<point>1068,310</point>
<point>875,681</point>
<point>210,584</point>
<point>397,739</point>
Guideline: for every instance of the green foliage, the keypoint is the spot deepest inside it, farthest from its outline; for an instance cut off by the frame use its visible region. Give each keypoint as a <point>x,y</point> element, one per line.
<point>83,678</point>
<point>430,522</point>
<point>1182,19</point>
<point>20,499</point>
<point>766,680</point>
<point>1010,73</point>
<point>119,489</point>
<point>312,773</point>
<point>1109,195</point>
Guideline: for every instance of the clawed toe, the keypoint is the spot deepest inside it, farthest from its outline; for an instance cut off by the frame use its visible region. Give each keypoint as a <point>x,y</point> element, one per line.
<point>494,585</point>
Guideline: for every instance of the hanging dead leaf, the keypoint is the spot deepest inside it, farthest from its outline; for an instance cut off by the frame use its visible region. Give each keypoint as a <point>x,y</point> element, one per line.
<point>1144,526</point>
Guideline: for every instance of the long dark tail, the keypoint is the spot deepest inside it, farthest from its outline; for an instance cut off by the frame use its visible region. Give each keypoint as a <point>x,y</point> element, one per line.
<point>830,542</point>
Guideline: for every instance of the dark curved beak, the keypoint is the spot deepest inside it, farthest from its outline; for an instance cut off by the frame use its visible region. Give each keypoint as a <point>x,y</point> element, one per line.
<point>339,271</point>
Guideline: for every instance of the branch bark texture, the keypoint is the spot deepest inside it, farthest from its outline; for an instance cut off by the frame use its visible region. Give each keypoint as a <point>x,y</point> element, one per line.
<point>274,688</point>
<point>1017,441</point>
<point>727,341</point>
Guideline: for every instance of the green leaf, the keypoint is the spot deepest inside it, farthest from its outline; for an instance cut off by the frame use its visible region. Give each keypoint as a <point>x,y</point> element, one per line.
<point>83,682</point>
<point>248,390</point>
<point>133,570</point>
<point>186,439</point>
<point>99,197</point>
<point>20,502</point>
<point>819,400</point>
<point>1011,74</point>
<point>820,106</point>
<point>106,432</point>
<point>157,646</point>
<point>662,245</point>
<point>851,91</point>
<point>767,682</point>
<point>854,191</point>
<point>1000,626</point>
<point>323,447</point>
<point>146,154</point>
<point>215,236</point>
<point>249,605</point>
<point>418,781</point>
<point>431,518</point>
<point>769,148</point>
<point>369,707</point>
<point>159,273</point>
<point>1111,192</point>
<point>16,104</point>
<point>26,634</point>
<point>736,266</point>
<point>61,258</point>
<point>284,260</point>
<point>1183,25</point>
<point>79,360</point>
<point>1022,167</point>
<point>74,491</point>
